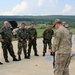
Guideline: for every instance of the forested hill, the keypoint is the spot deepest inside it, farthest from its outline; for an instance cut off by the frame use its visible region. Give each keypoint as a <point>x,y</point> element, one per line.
<point>40,19</point>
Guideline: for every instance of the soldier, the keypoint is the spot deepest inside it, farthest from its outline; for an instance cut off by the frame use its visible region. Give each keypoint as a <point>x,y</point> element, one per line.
<point>32,39</point>
<point>22,41</point>
<point>47,37</point>
<point>70,32</point>
<point>7,42</point>
<point>61,44</point>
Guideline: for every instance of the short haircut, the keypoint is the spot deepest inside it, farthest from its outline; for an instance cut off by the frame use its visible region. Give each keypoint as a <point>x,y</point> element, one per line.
<point>32,23</point>
<point>6,22</point>
<point>58,22</point>
<point>23,23</point>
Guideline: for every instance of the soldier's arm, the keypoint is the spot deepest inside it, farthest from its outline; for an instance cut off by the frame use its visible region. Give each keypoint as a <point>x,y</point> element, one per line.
<point>52,32</point>
<point>44,33</point>
<point>28,32</point>
<point>56,42</point>
<point>35,33</point>
<point>18,35</point>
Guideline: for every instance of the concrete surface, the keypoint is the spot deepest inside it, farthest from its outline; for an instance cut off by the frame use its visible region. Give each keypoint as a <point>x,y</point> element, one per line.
<point>34,66</point>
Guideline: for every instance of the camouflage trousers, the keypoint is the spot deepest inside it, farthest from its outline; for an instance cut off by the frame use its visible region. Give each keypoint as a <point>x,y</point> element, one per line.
<point>8,47</point>
<point>22,45</point>
<point>62,64</point>
<point>45,43</point>
<point>30,44</point>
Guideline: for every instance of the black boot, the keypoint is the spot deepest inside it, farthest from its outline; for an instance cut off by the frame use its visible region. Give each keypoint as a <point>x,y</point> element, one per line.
<point>27,57</point>
<point>14,59</point>
<point>43,54</point>
<point>36,54</point>
<point>1,63</point>
<point>6,60</point>
<point>19,57</point>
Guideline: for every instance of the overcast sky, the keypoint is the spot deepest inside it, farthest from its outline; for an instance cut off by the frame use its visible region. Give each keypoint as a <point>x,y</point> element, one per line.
<point>37,7</point>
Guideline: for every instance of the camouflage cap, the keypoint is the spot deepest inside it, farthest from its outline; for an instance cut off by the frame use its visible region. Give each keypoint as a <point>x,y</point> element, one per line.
<point>56,20</point>
<point>66,25</point>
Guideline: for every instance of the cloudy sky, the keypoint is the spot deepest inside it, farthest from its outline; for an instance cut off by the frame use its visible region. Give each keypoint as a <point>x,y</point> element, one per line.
<point>37,7</point>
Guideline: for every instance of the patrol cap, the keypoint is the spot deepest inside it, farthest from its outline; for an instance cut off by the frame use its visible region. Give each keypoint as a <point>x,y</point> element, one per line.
<point>23,24</point>
<point>66,25</point>
<point>57,21</point>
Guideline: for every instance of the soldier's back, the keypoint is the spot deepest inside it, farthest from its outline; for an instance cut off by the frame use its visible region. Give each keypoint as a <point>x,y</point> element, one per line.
<point>64,43</point>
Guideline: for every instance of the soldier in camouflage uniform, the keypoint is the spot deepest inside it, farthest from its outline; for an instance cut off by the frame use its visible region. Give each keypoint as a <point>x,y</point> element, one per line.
<point>47,37</point>
<point>32,39</point>
<point>22,41</point>
<point>61,44</point>
<point>7,42</point>
<point>70,32</point>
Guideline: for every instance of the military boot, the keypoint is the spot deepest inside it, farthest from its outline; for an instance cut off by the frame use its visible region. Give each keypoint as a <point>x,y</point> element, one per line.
<point>36,54</point>
<point>14,59</point>
<point>26,57</point>
<point>1,63</point>
<point>43,54</point>
<point>6,60</point>
<point>29,55</point>
<point>19,57</point>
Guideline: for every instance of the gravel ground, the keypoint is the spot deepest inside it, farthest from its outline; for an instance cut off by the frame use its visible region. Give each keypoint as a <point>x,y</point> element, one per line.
<point>34,66</point>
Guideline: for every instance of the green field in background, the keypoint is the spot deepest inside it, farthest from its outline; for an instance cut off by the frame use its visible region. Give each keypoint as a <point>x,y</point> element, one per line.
<point>40,31</point>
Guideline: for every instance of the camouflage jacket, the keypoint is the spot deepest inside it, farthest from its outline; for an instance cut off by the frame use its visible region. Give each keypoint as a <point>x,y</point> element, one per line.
<point>47,35</point>
<point>22,34</point>
<point>6,34</point>
<point>61,42</point>
<point>32,33</point>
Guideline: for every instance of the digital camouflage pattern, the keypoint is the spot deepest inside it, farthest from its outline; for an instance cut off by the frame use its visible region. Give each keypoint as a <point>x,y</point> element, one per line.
<point>47,37</point>
<point>7,45</point>
<point>22,34</point>
<point>61,44</point>
<point>32,42</point>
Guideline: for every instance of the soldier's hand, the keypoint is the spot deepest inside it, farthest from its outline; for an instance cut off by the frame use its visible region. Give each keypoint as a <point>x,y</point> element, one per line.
<point>2,40</point>
<point>21,39</point>
<point>50,51</point>
<point>26,40</point>
<point>32,37</point>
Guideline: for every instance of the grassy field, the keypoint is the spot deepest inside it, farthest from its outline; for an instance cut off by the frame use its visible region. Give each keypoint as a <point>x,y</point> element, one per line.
<point>40,31</point>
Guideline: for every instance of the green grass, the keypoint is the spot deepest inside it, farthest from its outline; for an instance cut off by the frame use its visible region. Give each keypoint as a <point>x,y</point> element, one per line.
<point>73,30</point>
<point>40,31</point>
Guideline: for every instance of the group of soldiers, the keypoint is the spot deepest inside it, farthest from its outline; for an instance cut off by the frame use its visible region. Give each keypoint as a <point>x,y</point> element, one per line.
<point>62,44</point>
<point>23,35</point>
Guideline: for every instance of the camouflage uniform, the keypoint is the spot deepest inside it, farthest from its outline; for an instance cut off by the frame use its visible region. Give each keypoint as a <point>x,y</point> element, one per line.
<point>70,32</point>
<point>47,36</point>
<point>32,42</point>
<point>7,44</point>
<point>61,44</point>
<point>22,34</point>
